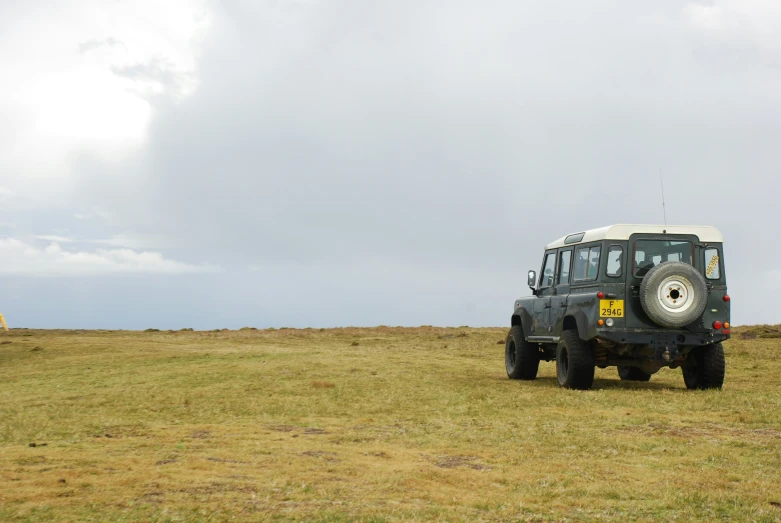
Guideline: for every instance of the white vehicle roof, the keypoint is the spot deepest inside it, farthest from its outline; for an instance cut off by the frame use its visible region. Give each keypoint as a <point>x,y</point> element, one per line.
<point>705,233</point>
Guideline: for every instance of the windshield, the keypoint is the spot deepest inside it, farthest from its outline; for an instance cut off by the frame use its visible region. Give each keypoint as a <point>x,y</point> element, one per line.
<point>650,253</point>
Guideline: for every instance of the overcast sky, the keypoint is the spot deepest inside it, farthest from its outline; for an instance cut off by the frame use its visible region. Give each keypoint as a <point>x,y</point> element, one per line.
<point>313,163</point>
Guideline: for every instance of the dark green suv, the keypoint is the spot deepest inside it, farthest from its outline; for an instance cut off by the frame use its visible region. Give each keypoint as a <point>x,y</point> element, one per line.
<point>637,297</point>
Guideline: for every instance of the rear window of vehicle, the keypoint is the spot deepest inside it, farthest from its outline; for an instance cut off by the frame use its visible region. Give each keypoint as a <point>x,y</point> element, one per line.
<point>650,253</point>
<point>712,271</point>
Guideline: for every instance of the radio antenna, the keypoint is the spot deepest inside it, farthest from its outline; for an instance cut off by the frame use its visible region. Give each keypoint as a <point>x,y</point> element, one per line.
<point>664,209</point>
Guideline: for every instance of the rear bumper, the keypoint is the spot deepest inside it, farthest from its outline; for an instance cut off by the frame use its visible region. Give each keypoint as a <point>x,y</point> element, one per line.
<point>667,338</point>
<point>668,347</point>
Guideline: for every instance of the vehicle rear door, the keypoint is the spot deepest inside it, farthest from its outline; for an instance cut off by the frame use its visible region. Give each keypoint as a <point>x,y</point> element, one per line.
<point>642,256</point>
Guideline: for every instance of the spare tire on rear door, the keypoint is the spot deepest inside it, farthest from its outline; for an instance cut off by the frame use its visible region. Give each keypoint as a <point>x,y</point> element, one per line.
<point>673,294</point>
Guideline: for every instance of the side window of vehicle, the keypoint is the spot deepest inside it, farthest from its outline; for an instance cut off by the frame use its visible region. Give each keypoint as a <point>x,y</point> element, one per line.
<point>546,278</point>
<point>712,264</point>
<point>593,263</point>
<point>564,262</point>
<point>586,263</point>
<point>614,261</point>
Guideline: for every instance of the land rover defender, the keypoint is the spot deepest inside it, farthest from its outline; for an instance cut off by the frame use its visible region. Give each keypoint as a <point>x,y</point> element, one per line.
<point>637,297</point>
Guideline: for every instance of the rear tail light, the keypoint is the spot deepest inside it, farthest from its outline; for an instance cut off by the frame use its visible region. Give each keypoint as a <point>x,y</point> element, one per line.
<point>726,325</point>
<point>600,295</point>
<point>726,297</point>
<point>717,325</point>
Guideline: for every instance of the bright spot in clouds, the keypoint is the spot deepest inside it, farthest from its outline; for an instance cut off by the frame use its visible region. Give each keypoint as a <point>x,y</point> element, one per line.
<point>68,83</point>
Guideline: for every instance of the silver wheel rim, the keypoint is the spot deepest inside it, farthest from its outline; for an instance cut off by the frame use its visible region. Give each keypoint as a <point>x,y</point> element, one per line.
<point>676,294</point>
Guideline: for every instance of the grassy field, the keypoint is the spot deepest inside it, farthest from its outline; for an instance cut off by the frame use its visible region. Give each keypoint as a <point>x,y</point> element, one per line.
<point>380,424</point>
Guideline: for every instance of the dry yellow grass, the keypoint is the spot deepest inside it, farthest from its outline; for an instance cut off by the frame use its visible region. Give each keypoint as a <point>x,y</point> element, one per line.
<point>409,424</point>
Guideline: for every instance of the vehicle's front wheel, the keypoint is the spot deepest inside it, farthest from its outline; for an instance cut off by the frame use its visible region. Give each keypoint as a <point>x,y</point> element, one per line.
<point>632,374</point>
<point>521,358</point>
<point>574,362</point>
<point>705,367</point>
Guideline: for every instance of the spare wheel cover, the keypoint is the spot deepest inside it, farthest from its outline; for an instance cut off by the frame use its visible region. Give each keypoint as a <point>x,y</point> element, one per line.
<point>673,294</point>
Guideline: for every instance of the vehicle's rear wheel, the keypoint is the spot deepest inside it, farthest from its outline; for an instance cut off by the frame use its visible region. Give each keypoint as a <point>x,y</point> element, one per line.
<point>632,374</point>
<point>574,362</point>
<point>521,358</point>
<point>705,367</point>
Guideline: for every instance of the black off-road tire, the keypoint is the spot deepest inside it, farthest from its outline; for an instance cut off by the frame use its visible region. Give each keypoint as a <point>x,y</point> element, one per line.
<point>663,311</point>
<point>705,367</point>
<point>521,358</point>
<point>574,362</point>
<point>632,374</point>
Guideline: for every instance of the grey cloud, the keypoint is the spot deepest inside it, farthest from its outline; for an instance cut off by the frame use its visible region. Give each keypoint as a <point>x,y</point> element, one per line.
<point>159,73</point>
<point>95,43</point>
<point>452,138</point>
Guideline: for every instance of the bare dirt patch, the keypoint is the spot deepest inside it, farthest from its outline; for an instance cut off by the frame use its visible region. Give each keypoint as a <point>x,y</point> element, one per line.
<point>323,384</point>
<point>451,462</point>
<point>283,428</point>
<point>327,456</point>
<point>223,460</point>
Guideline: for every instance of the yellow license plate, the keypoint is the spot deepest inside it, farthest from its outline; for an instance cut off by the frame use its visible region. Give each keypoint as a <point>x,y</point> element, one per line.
<point>611,308</point>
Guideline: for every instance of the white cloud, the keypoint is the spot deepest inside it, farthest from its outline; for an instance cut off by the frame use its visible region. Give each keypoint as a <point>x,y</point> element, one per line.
<point>128,240</point>
<point>25,259</point>
<point>53,238</point>
<point>136,241</point>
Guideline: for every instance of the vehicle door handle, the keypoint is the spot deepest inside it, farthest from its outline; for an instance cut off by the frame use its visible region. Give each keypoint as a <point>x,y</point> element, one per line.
<point>563,304</point>
<point>548,306</point>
